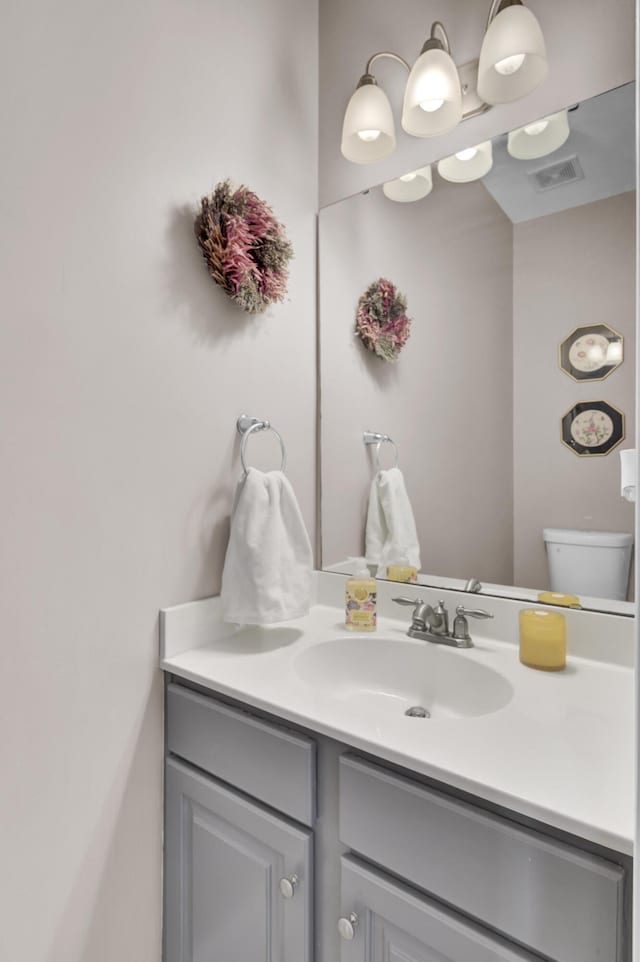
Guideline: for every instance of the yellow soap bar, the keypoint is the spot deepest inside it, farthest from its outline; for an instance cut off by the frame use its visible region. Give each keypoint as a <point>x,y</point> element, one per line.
<point>543,641</point>
<point>557,598</point>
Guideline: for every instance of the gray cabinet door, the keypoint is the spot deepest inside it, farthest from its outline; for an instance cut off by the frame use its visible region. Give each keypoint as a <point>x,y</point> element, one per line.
<point>396,924</point>
<point>224,859</point>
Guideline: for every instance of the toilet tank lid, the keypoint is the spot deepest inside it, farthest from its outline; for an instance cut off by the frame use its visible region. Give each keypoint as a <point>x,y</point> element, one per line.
<point>601,539</point>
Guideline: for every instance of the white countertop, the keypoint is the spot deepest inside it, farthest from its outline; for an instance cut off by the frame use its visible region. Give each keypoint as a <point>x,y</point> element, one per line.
<point>560,751</point>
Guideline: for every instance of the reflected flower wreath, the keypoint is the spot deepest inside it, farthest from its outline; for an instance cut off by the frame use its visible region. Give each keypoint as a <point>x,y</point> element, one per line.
<point>381,320</point>
<point>246,248</point>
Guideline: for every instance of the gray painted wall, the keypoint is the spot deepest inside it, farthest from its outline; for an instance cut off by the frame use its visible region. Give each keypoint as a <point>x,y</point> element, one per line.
<point>124,371</point>
<point>570,269</point>
<point>447,402</point>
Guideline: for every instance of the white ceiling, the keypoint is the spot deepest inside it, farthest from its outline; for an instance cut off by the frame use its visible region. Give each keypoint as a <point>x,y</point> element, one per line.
<point>603,139</point>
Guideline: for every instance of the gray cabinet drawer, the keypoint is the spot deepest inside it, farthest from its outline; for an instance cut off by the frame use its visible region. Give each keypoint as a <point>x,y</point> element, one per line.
<point>549,896</point>
<point>270,763</point>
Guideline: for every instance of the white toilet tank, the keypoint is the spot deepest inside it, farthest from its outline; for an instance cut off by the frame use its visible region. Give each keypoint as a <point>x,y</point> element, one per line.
<point>594,563</point>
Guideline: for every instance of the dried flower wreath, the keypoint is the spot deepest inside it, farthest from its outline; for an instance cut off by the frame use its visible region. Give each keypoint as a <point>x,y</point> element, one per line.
<point>381,320</point>
<point>246,248</point>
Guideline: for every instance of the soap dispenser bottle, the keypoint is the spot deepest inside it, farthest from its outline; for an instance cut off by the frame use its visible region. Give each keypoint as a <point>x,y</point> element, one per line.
<point>360,598</point>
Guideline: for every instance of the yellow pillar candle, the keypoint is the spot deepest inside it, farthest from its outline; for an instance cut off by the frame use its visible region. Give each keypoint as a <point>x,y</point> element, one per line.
<point>542,639</point>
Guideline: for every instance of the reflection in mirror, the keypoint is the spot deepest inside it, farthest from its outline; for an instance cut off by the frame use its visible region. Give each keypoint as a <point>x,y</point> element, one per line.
<point>502,402</point>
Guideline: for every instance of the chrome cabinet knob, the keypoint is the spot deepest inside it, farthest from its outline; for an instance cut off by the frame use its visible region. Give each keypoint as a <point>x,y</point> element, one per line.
<point>347,927</point>
<point>288,886</point>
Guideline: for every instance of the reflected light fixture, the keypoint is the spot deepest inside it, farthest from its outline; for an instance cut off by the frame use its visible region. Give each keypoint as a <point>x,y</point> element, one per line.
<point>438,94</point>
<point>539,138</point>
<point>409,187</point>
<point>467,165</point>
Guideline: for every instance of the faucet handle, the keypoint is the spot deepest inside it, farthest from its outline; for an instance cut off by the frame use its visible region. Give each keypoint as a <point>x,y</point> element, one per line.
<point>473,612</point>
<point>461,627</point>
<point>408,601</point>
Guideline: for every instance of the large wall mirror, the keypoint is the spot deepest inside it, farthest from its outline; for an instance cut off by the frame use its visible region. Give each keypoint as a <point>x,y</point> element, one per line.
<point>515,393</point>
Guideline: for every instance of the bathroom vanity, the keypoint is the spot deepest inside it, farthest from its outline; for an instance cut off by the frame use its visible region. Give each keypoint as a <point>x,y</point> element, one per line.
<point>308,818</point>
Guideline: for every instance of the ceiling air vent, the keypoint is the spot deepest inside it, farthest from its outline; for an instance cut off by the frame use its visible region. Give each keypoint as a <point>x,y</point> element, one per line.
<point>557,175</point>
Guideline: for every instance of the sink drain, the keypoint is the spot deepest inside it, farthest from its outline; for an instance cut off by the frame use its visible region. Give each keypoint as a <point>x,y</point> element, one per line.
<point>417,711</point>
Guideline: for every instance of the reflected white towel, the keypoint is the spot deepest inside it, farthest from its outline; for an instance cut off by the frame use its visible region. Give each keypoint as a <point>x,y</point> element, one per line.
<point>268,566</point>
<point>628,473</point>
<point>391,528</point>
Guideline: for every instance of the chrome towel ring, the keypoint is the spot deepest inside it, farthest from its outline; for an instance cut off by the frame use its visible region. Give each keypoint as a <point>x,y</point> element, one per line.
<point>373,437</point>
<point>246,426</point>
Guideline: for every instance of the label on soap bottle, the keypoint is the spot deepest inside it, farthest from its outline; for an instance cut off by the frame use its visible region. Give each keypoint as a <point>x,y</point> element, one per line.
<point>360,609</point>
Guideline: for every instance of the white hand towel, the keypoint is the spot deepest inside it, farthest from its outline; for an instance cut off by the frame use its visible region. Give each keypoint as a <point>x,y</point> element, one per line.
<point>391,528</point>
<point>628,473</point>
<point>268,566</point>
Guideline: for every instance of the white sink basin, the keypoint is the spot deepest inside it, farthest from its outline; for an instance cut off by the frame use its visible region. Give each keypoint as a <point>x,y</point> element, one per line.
<point>387,675</point>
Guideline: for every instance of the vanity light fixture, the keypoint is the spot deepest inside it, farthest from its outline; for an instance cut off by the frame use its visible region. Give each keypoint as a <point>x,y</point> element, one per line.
<point>539,138</point>
<point>467,165</point>
<point>438,94</point>
<point>368,131</point>
<point>513,57</point>
<point>433,96</point>
<point>409,187</point>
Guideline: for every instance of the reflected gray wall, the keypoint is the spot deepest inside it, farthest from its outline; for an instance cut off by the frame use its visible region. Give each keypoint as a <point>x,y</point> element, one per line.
<point>448,400</point>
<point>570,269</point>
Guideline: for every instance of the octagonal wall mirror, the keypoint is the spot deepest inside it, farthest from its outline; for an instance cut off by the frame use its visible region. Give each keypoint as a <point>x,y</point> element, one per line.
<point>502,275</point>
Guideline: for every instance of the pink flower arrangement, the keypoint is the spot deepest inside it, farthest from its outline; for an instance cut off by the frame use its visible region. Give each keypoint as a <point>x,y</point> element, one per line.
<point>246,248</point>
<point>381,320</point>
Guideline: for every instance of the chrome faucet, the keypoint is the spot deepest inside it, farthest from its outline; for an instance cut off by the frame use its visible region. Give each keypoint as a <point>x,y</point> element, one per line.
<point>432,624</point>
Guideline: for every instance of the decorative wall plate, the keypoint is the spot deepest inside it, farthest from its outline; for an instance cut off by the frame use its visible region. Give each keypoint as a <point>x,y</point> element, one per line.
<point>592,428</point>
<point>591,353</point>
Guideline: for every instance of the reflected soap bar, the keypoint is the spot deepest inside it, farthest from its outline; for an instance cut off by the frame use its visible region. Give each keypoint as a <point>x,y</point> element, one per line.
<point>543,639</point>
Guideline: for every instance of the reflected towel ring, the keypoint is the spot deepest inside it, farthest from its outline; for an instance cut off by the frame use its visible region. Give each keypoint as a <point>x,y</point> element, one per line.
<point>395,451</point>
<point>246,426</point>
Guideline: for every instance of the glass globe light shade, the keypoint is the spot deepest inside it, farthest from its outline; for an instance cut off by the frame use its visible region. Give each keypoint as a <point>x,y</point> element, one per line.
<point>409,187</point>
<point>432,98</point>
<point>368,131</point>
<point>513,57</point>
<point>539,138</point>
<point>467,165</point>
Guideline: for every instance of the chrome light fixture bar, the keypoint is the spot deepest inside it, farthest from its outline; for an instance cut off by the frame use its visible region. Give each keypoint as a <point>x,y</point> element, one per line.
<point>438,94</point>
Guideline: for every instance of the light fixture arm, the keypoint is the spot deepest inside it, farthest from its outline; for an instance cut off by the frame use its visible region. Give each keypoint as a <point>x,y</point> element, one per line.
<point>390,56</point>
<point>497,6</point>
<point>437,27</point>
